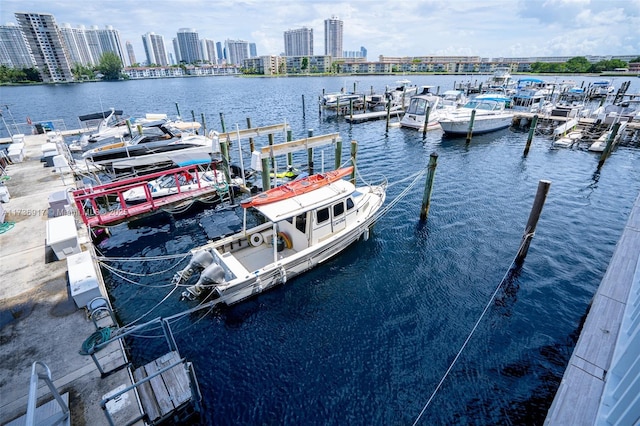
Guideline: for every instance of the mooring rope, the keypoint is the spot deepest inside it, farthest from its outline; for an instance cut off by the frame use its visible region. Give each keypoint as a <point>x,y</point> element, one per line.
<point>475,327</point>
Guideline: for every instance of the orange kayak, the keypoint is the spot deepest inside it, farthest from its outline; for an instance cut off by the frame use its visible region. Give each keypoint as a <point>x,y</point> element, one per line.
<point>296,187</point>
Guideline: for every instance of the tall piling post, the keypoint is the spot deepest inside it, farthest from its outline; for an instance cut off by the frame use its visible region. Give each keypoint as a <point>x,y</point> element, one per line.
<point>426,121</point>
<point>428,186</point>
<point>338,154</point>
<point>224,129</point>
<point>178,109</point>
<point>388,114</point>
<point>354,153</point>
<point>609,146</point>
<point>224,151</point>
<point>251,143</point>
<point>273,160</point>
<point>303,105</point>
<point>204,124</point>
<point>351,110</point>
<point>266,174</point>
<point>532,131</point>
<point>310,153</point>
<point>470,130</point>
<point>532,222</point>
<point>289,154</point>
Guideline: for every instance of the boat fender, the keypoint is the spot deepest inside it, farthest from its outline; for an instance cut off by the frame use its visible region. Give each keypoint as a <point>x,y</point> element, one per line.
<point>256,239</point>
<point>286,239</point>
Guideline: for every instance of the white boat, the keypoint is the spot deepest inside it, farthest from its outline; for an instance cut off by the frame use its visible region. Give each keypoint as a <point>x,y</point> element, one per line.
<point>531,95</point>
<point>601,88</point>
<point>490,115</point>
<point>340,99</point>
<point>180,183</point>
<point>298,233</point>
<point>568,140</point>
<point>501,81</point>
<point>110,127</point>
<point>415,115</point>
<point>157,143</point>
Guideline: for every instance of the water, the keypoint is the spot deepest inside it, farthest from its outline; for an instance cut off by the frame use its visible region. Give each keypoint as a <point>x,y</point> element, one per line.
<point>367,337</point>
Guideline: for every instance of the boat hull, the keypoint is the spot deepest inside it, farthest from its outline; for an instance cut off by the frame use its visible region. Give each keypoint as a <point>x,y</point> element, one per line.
<point>481,124</point>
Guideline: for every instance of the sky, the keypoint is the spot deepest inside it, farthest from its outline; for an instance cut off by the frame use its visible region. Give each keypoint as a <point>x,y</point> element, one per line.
<point>485,28</point>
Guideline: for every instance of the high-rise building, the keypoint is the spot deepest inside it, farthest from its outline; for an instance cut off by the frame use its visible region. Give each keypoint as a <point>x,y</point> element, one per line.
<point>176,49</point>
<point>208,48</point>
<point>237,51</point>
<point>298,42</point>
<point>220,54</point>
<point>43,38</point>
<point>253,50</point>
<point>154,49</point>
<point>14,52</point>
<point>189,45</point>
<point>109,39</point>
<point>130,53</point>
<point>77,45</point>
<point>333,37</point>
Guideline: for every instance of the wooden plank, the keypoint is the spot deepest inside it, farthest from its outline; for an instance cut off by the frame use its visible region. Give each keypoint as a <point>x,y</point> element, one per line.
<point>176,379</point>
<point>147,397</point>
<point>254,132</point>
<point>159,389</point>
<point>293,146</point>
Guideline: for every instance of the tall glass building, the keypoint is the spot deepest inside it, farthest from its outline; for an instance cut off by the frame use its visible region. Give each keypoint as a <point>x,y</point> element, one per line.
<point>333,37</point>
<point>298,42</point>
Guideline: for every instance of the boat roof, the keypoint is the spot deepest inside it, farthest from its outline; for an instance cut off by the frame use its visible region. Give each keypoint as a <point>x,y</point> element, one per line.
<point>99,115</point>
<point>293,206</point>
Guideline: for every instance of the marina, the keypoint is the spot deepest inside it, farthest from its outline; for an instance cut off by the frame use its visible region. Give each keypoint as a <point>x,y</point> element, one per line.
<point>365,336</point>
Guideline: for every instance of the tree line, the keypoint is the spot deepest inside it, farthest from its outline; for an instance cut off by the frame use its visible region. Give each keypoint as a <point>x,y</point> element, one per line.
<point>110,68</point>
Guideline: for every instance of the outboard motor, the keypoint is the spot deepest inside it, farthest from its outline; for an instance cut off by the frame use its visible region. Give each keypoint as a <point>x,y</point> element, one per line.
<point>211,276</point>
<point>199,261</point>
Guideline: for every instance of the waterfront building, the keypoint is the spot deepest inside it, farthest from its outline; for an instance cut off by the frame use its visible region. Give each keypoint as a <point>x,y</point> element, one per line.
<point>176,49</point>
<point>220,54</point>
<point>237,51</point>
<point>130,53</point>
<point>208,48</point>
<point>188,45</point>
<point>14,52</point>
<point>77,45</point>
<point>110,42</point>
<point>362,53</point>
<point>333,37</point>
<point>43,38</point>
<point>265,65</point>
<point>298,42</point>
<point>154,49</point>
<point>253,50</point>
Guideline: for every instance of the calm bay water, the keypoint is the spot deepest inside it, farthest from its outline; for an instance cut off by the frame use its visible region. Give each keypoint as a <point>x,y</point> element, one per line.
<point>367,337</point>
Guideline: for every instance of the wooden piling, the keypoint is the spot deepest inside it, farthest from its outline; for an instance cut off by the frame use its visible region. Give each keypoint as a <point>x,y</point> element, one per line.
<point>428,187</point>
<point>354,153</point>
<point>266,174</point>
<point>224,129</point>
<point>607,148</point>
<point>532,131</point>
<point>470,131</point>
<point>310,153</point>
<point>388,114</point>
<point>290,154</point>
<point>193,116</point>
<point>139,127</point>
<point>129,128</point>
<point>303,105</point>
<point>224,151</point>
<point>351,110</point>
<point>426,121</point>
<point>251,143</point>
<point>273,160</point>
<point>338,154</point>
<point>178,109</point>
<point>534,215</point>
<point>204,124</point>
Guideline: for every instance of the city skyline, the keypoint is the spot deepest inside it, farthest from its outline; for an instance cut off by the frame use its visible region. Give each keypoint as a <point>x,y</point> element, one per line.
<point>493,28</point>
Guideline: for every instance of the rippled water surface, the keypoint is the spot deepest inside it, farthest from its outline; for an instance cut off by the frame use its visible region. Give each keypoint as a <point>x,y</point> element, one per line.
<point>367,337</point>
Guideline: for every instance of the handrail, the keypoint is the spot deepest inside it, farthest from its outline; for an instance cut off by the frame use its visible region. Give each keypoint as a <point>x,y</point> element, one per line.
<point>33,390</point>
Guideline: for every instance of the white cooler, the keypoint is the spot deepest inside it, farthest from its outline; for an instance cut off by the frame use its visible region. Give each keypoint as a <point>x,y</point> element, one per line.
<point>62,236</point>
<point>83,280</point>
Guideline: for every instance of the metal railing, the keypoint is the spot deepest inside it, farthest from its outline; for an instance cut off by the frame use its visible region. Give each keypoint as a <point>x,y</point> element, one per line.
<point>33,394</point>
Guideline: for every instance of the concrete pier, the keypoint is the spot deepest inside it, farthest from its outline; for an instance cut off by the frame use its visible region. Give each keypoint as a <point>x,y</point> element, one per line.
<point>39,320</point>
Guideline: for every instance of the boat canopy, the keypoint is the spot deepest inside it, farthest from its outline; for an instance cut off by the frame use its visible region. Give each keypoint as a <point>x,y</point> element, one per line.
<point>297,204</point>
<point>99,115</point>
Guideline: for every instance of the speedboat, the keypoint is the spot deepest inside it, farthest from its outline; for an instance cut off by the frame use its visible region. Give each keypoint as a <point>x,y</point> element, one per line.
<point>298,230</point>
<point>158,140</point>
<point>602,88</point>
<point>183,182</point>
<point>415,115</point>
<point>110,126</point>
<point>490,115</point>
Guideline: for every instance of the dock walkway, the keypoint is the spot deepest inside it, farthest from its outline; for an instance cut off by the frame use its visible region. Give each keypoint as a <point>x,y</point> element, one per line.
<point>39,320</point>
<point>579,396</point>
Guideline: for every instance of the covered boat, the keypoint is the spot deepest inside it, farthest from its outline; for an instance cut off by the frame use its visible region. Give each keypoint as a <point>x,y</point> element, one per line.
<point>295,234</point>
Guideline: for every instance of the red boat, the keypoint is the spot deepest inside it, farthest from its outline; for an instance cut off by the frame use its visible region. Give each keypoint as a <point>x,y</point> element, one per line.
<point>296,187</point>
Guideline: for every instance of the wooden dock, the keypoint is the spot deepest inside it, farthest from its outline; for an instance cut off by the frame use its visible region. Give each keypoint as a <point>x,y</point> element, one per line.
<point>167,392</point>
<point>578,398</point>
<point>375,115</point>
